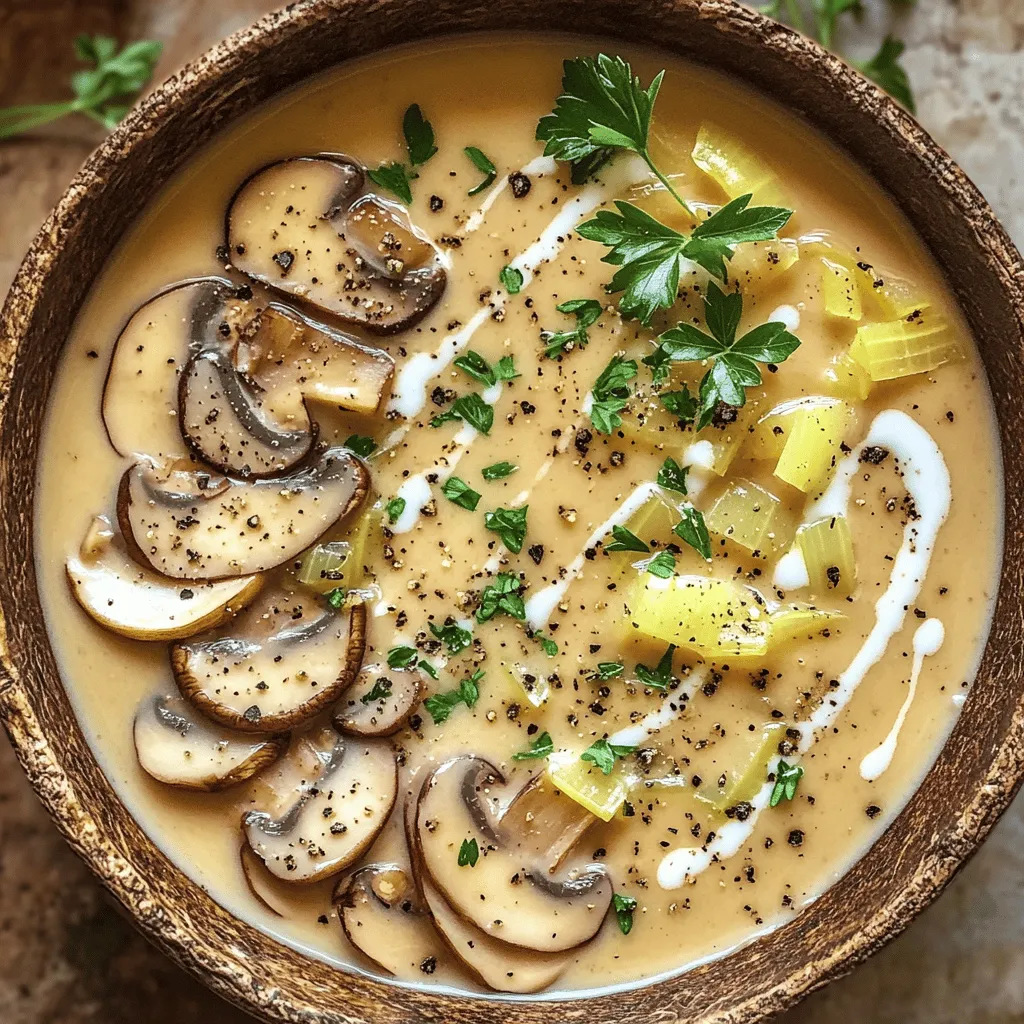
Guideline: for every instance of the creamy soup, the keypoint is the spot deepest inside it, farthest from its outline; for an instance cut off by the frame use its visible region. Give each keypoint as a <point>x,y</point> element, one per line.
<point>515,542</point>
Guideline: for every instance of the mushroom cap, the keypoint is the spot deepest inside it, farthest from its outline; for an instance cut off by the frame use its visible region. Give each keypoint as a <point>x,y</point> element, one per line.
<point>387,712</point>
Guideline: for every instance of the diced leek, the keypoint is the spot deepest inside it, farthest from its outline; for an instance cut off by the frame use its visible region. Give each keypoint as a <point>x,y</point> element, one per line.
<point>737,169</point>
<point>646,421</point>
<point>751,517</point>
<point>812,446</point>
<point>760,262</point>
<point>895,297</point>
<point>827,548</point>
<point>901,348</point>
<point>653,521</point>
<point>800,622</point>
<point>594,791</point>
<point>840,288</point>
<point>845,378</point>
<point>767,438</point>
<point>743,784</point>
<point>323,566</point>
<point>527,682</point>
<point>715,447</point>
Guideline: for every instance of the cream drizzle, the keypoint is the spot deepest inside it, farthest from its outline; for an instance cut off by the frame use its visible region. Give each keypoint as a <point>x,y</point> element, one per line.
<point>927,480</point>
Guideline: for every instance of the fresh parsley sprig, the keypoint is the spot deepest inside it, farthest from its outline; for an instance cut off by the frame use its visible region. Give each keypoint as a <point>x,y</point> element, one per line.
<point>605,754</point>
<point>587,312</point>
<point>610,393</point>
<point>104,92</point>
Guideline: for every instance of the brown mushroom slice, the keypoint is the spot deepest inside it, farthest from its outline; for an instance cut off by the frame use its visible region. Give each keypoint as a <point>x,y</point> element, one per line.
<point>125,598</point>
<point>189,525</point>
<point>225,424</point>
<point>306,227</point>
<point>295,359</point>
<point>285,660</point>
<point>333,822</point>
<point>378,704</point>
<point>177,748</point>
<point>271,892</point>
<point>380,912</point>
<point>503,894</point>
<point>140,396</point>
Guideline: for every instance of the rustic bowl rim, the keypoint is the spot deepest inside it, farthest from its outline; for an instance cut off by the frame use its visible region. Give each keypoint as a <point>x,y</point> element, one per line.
<point>275,990</point>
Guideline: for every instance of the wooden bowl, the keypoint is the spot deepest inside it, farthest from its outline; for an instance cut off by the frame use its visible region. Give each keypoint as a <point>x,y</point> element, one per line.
<point>980,767</point>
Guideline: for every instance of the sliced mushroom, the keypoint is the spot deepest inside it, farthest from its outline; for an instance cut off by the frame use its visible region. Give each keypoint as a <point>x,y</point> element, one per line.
<point>271,892</point>
<point>177,748</point>
<point>191,525</point>
<point>125,598</point>
<point>225,424</point>
<point>140,397</point>
<point>295,359</point>
<point>307,227</point>
<point>378,704</point>
<point>280,664</point>
<point>503,894</point>
<point>380,911</point>
<point>333,820</point>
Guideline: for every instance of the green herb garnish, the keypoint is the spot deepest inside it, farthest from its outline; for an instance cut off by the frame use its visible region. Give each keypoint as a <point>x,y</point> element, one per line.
<point>787,778</point>
<point>482,164</point>
<point>394,509</point>
<point>402,657</point>
<point>511,279</point>
<point>548,646</point>
<point>453,635</point>
<point>469,853</point>
<point>624,906</point>
<point>607,670</point>
<point>457,491</point>
<point>693,530</point>
<point>672,476</point>
<point>441,705</point>
<point>474,365</point>
<point>610,394</point>
<point>419,136</point>
<point>660,677</point>
<point>498,471</point>
<point>626,540</point>
<point>104,92</point>
<point>426,666</point>
<point>381,691</point>
<point>604,754</point>
<point>502,597</point>
<point>736,360</point>
<point>587,312</point>
<point>542,746</point>
<point>681,404</point>
<point>362,446</point>
<point>336,598</point>
<point>510,525</point>
<point>475,411</point>
<point>663,565</point>
<point>394,177</point>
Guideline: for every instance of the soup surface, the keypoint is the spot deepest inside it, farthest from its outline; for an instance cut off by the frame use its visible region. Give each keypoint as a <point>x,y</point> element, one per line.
<point>452,616</point>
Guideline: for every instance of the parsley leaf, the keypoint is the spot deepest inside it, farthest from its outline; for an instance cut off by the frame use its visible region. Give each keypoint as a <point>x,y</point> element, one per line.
<point>549,647</point>
<point>336,598</point>
<point>502,597</point>
<point>452,634</point>
<point>419,135</point>
<point>711,242</point>
<point>381,691</point>
<point>626,540</point>
<point>624,906</point>
<point>787,778</point>
<point>469,853</point>
<point>694,531</point>
<point>426,666</point>
<point>680,403</point>
<point>394,177</point>
<point>884,69</point>
<point>607,670</point>
<point>511,279</point>
<point>735,366</point>
<point>604,754</point>
<point>441,705</point>
<point>474,365</point>
<point>663,565</point>
<point>474,410</point>
<point>498,470</point>
<point>402,657</point>
<point>672,476</point>
<point>510,525</point>
<point>659,678</point>
<point>610,393</point>
<point>394,509</point>
<point>542,746</point>
<point>362,446</point>
<point>587,312</point>
<point>457,491</point>
<point>481,163</point>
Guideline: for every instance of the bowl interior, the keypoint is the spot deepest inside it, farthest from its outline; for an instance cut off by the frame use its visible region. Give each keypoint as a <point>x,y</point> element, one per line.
<point>979,768</point>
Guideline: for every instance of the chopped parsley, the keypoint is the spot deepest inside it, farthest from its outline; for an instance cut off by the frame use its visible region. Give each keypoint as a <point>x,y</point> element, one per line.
<point>336,598</point>
<point>548,646</point>
<point>498,471</point>
<point>610,393</point>
<point>441,705</point>
<point>626,540</point>
<point>402,657</point>
<point>362,446</point>
<point>394,177</point>
<point>482,164</point>
<point>672,476</point>
<point>663,564</point>
<point>692,529</point>
<point>511,279</point>
<point>502,597</point>
<point>426,666</point>
<point>457,491</point>
<point>542,746</point>
<point>381,691</point>
<point>681,404</point>
<point>607,670</point>
<point>470,408</point>
<point>605,754</point>
<point>787,778</point>
<point>660,677</point>
<point>469,853</point>
<point>587,312</point>
<point>394,509</point>
<point>474,365</point>
<point>452,635</point>
<point>419,136</point>
<point>624,906</point>
<point>510,525</point>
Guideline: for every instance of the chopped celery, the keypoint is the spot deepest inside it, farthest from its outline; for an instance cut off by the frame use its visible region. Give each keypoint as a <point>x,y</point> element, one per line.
<point>812,446</point>
<point>594,791</point>
<point>800,622</point>
<point>646,421</point>
<point>750,516</point>
<point>323,566</point>
<point>827,548</point>
<point>527,682</point>
<point>743,784</point>
<point>845,378</point>
<point>895,297</point>
<point>901,348</point>
<point>715,447</point>
<point>654,520</point>
<point>761,262</point>
<point>736,168</point>
<point>767,438</point>
<point>840,288</point>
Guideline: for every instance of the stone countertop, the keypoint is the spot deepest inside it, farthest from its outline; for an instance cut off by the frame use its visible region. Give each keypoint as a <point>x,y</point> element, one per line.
<point>70,958</point>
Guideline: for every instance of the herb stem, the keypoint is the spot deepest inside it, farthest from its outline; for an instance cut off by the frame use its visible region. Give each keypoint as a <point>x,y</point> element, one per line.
<point>668,184</point>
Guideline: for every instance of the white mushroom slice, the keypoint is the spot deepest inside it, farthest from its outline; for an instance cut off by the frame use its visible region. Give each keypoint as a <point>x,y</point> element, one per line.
<point>333,822</point>
<point>296,359</point>
<point>378,704</point>
<point>175,747</point>
<point>233,528</point>
<point>502,894</point>
<point>287,659</point>
<point>379,909</point>
<point>125,598</point>
<point>140,397</point>
<point>307,227</point>
<point>225,424</point>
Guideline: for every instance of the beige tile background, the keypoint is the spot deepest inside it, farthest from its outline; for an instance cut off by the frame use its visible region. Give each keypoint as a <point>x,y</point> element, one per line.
<point>66,957</point>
